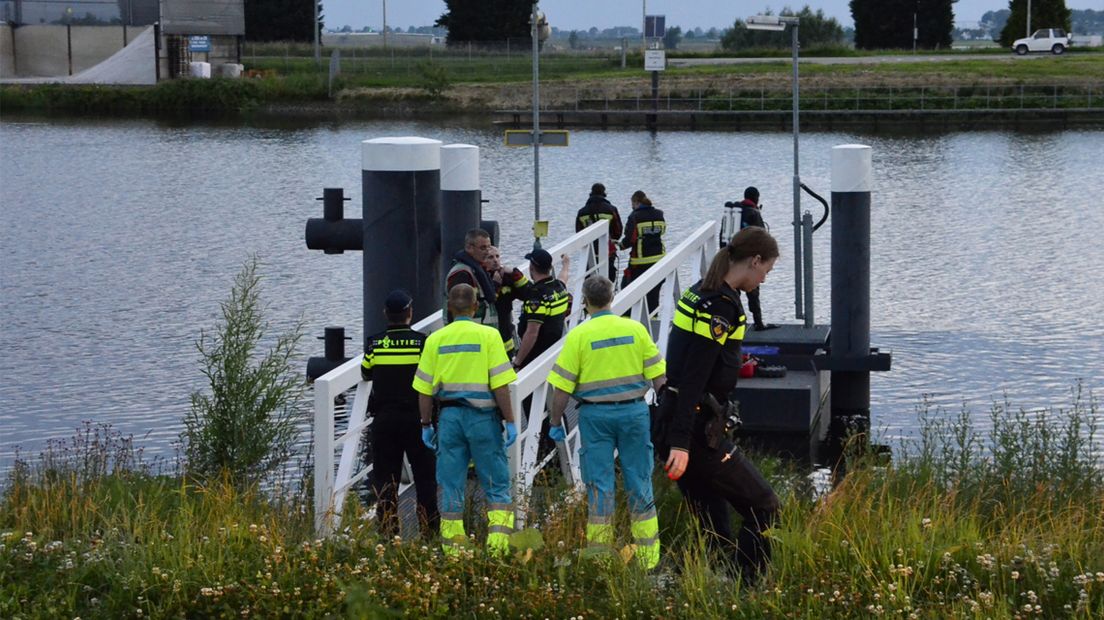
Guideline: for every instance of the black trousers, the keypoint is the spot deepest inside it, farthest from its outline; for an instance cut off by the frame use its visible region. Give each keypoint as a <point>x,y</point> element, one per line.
<point>712,484</point>
<point>754,307</point>
<point>394,434</point>
<point>634,272</point>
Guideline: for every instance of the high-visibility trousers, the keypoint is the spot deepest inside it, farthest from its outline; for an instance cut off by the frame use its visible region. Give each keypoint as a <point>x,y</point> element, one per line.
<point>626,428</point>
<point>464,435</point>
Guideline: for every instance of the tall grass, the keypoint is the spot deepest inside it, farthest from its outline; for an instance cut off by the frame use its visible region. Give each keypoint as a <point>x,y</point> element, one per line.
<point>1001,522</point>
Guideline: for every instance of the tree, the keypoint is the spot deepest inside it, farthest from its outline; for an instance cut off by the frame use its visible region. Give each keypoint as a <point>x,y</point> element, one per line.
<point>1044,14</point>
<point>815,29</point>
<point>672,37</point>
<point>246,427</point>
<point>573,40</point>
<point>488,22</point>
<point>888,24</point>
<point>281,20</point>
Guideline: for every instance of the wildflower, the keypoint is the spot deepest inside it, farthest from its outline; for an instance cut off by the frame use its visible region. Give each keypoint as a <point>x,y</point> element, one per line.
<point>263,538</point>
<point>252,528</point>
<point>1015,575</point>
<point>1100,577</point>
<point>926,523</point>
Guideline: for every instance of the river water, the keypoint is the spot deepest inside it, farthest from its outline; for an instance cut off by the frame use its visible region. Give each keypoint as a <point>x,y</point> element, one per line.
<point>119,239</point>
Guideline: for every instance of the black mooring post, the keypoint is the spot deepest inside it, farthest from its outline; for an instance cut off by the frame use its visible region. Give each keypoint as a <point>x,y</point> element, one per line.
<point>850,340</point>
<point>461,198</point>
<point>402,234</point>
<point>332,233</point>
<point>334,353</point>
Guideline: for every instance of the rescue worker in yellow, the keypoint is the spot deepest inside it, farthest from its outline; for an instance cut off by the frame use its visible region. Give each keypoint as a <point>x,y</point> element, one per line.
<point>465,368</point>
<point>607,364</point>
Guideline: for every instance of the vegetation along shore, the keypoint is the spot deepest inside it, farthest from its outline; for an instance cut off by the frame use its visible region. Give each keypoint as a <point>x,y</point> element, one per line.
<point>376,85</point>
<point>964,522</point>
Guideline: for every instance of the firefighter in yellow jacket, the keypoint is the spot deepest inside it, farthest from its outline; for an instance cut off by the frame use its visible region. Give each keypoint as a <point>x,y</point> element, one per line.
<point>465,368</point>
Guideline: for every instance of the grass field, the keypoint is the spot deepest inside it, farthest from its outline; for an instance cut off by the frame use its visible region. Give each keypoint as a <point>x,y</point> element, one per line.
<point>482,82</point>
<point>963,524</point>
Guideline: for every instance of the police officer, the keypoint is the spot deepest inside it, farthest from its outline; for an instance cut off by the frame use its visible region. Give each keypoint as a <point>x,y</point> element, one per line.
<point>704,354</point>
<point>510,285</point>
<point>467,268</point>
<point>545,308</point>
<point>607,364</point>
<point>598,207</point>
<point>389,363</point>
<point>644,235</point>
<point>465,369</point>
<point>751,214</point>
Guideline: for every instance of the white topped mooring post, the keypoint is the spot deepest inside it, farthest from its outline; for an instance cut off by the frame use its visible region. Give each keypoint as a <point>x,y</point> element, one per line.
<point>401,180</point>
<point>850,339</point>
<point>461,198</point>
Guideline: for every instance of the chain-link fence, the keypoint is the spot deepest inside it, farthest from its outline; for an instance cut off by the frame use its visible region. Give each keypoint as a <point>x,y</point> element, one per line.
<point>80,12</point>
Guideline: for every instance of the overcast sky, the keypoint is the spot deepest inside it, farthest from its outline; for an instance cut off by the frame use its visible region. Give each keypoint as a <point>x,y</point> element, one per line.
<point>582,14</point>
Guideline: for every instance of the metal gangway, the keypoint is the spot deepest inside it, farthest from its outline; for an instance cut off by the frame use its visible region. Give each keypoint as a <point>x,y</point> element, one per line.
<point>677,270</point>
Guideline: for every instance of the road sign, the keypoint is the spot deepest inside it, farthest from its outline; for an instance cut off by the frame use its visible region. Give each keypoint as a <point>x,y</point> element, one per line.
<point>524,137</point>
<point>200,43</point>
<point>655,60</point>
<point>655,26</point>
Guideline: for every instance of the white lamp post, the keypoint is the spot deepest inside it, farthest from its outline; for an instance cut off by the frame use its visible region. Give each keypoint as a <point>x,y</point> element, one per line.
<point>778,23</point>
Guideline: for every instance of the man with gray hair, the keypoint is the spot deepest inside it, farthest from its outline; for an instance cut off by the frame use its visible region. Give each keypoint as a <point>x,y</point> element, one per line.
<point>467,268</point>
<point>608,364</point>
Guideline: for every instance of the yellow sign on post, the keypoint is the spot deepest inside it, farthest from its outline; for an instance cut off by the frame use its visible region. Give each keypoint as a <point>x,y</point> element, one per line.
<point>548,137</point>
<point>540,229</point>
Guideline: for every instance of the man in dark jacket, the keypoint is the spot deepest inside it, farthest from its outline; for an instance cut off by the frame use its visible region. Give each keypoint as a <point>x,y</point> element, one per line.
<point>751,214</point>
<point>597,207</point>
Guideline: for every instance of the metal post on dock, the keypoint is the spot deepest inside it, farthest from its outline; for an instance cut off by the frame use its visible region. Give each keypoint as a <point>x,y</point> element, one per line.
<point>807,242</point>
<point>402,245</point>
<point>850,340</point>
<point>461,205</point>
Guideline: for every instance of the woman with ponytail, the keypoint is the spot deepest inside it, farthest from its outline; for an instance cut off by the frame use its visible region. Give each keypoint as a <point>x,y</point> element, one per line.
<point>703,363</point>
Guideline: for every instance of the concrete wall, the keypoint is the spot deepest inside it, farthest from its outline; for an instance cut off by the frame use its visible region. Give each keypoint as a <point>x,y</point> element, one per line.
<point>7,52</point>
<point>41,51</point>
<point>94,44</point>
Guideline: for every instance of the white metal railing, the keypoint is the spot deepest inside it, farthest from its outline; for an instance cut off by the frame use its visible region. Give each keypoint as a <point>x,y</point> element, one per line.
<point>330,489</point>
<point>532,380</point>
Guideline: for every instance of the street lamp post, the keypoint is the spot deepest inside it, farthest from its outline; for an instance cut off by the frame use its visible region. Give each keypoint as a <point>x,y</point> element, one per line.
<point>778,23</point>
<point>1028,34</point>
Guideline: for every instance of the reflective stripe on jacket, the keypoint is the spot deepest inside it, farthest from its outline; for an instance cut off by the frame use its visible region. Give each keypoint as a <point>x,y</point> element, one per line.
<point>607,359</point>
<point>464,361</point>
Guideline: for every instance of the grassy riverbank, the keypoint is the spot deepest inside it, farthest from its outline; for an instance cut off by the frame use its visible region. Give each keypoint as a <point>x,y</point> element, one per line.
<point>378,85</point>
<point>942,532</point>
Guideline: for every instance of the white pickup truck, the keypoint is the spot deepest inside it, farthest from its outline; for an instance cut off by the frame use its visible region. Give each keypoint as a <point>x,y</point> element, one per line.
<point>1053,40</point>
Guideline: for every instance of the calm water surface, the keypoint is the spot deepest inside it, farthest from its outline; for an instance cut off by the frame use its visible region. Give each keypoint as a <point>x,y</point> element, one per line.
<point>120,238</point>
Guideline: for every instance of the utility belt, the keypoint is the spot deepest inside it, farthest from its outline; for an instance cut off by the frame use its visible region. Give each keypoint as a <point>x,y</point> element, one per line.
<point>442,405</point>
<point>720,420</point>
<point>629,401</point>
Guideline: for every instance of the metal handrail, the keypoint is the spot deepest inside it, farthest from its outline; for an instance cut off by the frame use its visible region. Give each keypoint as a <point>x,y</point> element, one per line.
<point>532,380</point>
<point>329,488</point>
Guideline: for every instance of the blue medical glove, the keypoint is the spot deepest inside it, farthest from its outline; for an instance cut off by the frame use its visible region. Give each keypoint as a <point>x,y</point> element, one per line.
<point>511,434</point>
<point>557,433</point>
<point>429,437</point>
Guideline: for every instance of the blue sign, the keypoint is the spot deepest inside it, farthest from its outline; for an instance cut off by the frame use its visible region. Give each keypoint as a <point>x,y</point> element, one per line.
<point>200,43</point>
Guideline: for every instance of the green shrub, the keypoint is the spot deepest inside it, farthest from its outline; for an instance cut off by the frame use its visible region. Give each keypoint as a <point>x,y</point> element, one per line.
<point>433,78</point>
<point>245,426</point>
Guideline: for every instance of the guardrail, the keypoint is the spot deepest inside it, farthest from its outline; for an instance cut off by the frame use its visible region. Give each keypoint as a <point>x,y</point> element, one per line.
<point>924,98</point>
<point>330,488</point>
<point>532,380</point>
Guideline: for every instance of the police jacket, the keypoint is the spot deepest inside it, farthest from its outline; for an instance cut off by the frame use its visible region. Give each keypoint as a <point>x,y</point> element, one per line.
<point>598,208</point>
<point>514,286</point>
<point>465,270</point>
<point>547,305</point>
<point>644,234</point>
<point>389,363</point>
<point>750,215</point>
<point>703,354</point>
